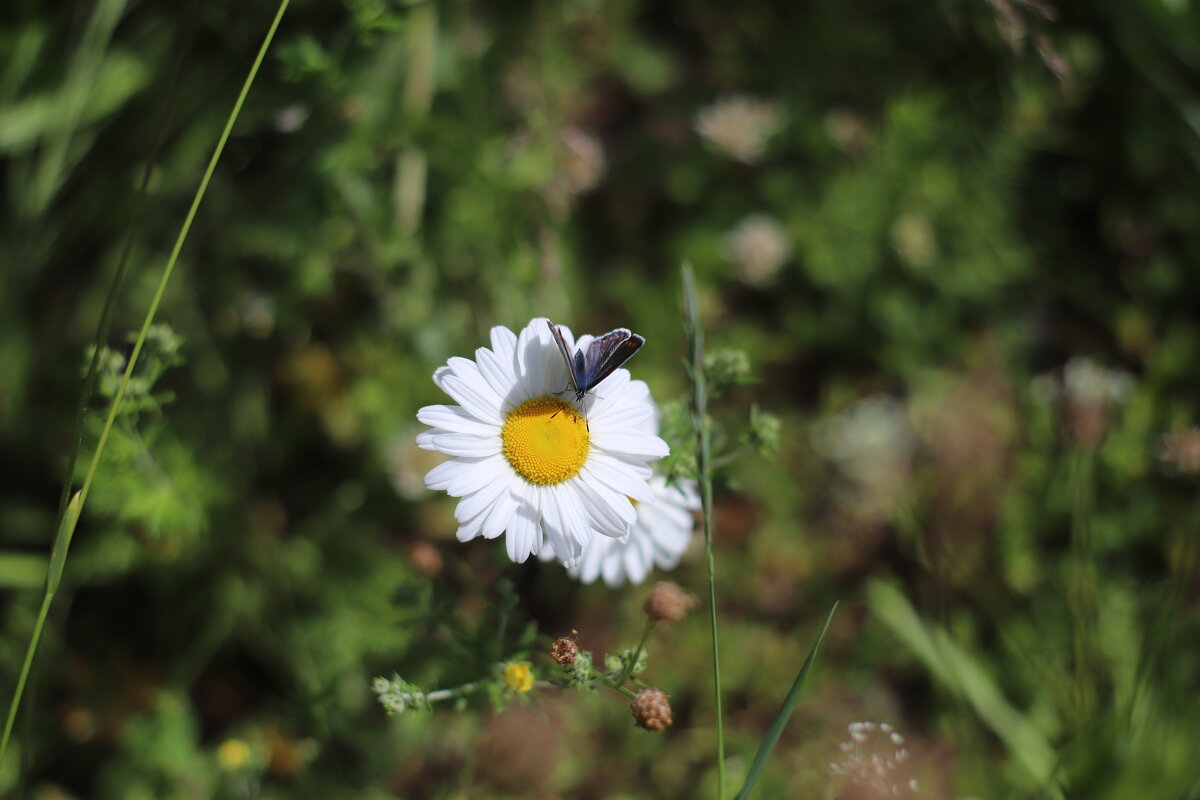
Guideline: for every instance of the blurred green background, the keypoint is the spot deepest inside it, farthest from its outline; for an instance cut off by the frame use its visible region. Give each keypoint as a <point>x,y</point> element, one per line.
<point>959,242</point>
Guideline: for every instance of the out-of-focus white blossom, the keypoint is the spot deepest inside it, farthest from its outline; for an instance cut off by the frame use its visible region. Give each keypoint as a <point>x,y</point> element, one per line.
<point>1088,392</point>
<point>872,444</point>
<point>759,246</point>
<point>740,126</point>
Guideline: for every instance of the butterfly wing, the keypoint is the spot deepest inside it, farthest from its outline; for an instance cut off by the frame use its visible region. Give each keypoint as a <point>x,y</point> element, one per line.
<point>573,368</point>
<point>607,353</point>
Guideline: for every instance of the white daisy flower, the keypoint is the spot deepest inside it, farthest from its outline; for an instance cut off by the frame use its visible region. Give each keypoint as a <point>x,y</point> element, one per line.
<point>659,538</point>
<point>525,460</point>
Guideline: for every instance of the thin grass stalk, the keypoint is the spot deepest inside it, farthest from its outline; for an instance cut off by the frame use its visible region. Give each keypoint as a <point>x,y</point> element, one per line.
<point>69,512</point>
<point>695,335</point>
<point>103,327</point>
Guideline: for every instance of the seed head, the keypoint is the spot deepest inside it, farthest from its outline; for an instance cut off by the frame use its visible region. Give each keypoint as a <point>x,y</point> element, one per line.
<point>668,602</point>
<point>565,649</point>
<point>651,709</point>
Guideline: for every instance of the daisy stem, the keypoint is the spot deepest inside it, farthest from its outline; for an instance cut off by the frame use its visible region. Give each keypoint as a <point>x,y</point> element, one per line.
<point>69,512</point>
<point>637,653</point>
<point>695,335</point>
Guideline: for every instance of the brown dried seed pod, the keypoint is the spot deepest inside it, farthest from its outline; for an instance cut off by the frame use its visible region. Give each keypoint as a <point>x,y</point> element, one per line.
<point>651,710</point>
<point>668,602</point>
<point>565,649</point>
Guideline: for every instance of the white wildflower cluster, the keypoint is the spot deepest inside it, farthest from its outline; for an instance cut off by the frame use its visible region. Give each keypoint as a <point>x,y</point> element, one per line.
<point>740,126</point>
<point>560,478</point>
<point>872,445</point>
<point>759,245</point>
<point>875,759</point>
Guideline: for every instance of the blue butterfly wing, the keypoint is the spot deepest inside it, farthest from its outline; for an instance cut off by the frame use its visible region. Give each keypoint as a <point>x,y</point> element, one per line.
<point>575,370</point>
<point>608,352</point>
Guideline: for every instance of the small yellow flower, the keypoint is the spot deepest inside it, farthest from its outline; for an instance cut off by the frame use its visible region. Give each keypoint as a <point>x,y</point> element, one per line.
<point>233,754</point>
<point>519,676</point>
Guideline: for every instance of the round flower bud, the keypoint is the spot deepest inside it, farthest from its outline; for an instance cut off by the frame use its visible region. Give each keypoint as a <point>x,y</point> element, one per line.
<point>564,650</point>
<point>651,709</point>
<point>668,602</point>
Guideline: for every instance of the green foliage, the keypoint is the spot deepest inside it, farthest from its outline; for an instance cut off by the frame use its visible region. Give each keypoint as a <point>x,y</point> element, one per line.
<point>951,204</point>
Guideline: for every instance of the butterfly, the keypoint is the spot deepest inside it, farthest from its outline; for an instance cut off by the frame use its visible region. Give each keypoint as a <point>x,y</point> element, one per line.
<point>603,356</point>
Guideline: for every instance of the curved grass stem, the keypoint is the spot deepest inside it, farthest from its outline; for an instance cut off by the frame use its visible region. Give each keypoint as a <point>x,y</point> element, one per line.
<point>69,512</point>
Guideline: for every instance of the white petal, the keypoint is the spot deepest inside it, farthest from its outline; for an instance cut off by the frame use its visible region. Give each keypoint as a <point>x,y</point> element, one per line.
<point>610,392</point>
<point>455,419</point>
<point>504,345</point>
<point>501,377</point>
<point>574,519</point>
<point>425,440</point>
<point>522,538</point>
<point>500,516</point>
<point>441,476</point>
<point>632,443</point>
<point>636,565</point>
<point>637,467</point>
<point>611,570</point>
<point>623,418</point>
<point>604,507</point>
<point>461,476</point>
<point>592,559</point>
<point>465,444</point>
<point>617,501</point>
<point>473,394</point>
<point>621,480</point>
<point>565,546</point>
<point>473,504</point>
<point>471,528</point>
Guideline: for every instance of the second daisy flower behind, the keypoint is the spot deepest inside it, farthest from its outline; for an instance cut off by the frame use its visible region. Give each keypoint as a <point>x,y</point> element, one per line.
<point>524,461</point>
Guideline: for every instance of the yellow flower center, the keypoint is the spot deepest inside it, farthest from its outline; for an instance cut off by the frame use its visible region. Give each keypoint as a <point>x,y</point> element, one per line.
<point>545,440</point>
<point>519,676</point>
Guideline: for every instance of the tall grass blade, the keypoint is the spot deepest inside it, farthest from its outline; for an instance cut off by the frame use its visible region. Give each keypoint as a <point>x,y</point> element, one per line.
<point>785,712</point>
<point>69,516</point>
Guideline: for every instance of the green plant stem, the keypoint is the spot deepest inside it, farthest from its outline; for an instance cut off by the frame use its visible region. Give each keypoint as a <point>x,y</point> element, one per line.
<point>69,514</point>
<point>704,474</point>
<point>610,683</point>
<point>439,695</point>
<point>637,653</point>
<point>1081,588</point>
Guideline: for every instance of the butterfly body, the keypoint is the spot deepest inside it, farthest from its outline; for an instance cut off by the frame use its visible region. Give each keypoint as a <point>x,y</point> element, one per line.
<point>604,355</point>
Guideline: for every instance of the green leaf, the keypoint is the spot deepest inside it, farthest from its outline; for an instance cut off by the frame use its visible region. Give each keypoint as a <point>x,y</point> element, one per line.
<point>785,713</point>
<point>964,676</point>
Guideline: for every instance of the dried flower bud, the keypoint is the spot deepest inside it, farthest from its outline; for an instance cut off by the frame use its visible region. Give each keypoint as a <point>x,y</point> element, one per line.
<point>564,650</point>
<point>651,709</point>
<point>668,602</point>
